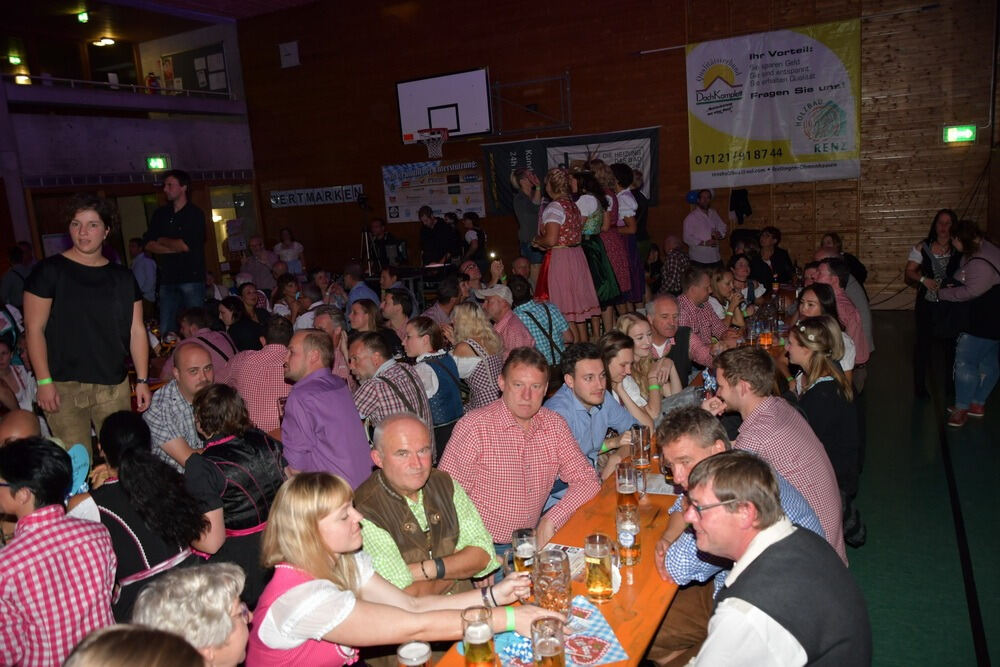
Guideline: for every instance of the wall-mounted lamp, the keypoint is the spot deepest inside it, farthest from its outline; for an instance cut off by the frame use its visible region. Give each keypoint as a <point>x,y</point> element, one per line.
<point>104,41</point>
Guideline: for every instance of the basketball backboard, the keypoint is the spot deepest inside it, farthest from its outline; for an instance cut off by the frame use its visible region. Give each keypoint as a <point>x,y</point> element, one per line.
<point>458,102</point>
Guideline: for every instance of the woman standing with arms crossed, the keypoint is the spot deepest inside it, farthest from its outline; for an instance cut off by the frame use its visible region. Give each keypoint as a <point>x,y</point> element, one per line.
<point>83,316</point>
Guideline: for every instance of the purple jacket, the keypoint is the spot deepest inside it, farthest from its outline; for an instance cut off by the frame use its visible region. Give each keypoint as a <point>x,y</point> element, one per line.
<point>322,430</point>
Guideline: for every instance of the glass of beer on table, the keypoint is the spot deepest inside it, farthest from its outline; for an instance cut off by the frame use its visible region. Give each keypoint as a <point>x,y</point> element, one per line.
<point>627,484</point>
<point>477,637</point>
<point>548,642</point>
<point>551,580</point>
<point>640,447</point>
<point>600,556</point>
<point>627,528</point>
<point>414,654</point>
<point>521,556</point>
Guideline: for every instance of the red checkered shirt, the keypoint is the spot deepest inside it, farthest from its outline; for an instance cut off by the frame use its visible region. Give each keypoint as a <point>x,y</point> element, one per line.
<point>513,332</point>
<point>704,324</point>
<point>509,472</point>
<point>259,377</point>
<point>777,433</point>
<point>851,318</point>
<point>56,577</point>
<point>376,400</point>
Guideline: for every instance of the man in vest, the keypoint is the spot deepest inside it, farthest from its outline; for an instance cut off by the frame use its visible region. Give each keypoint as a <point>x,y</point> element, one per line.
<point>789,599</point>
<point>669,338</point>
<point>421,530</point>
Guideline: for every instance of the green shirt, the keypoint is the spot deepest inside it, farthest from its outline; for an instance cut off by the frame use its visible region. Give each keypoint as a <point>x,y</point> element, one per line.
<point>471,532</point>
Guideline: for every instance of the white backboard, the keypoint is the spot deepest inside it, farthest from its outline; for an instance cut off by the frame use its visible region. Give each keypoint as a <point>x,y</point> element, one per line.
<point>459,102</point>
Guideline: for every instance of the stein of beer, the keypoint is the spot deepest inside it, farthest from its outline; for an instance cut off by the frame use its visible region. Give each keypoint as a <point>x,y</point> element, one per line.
<point>414,654</point>
<point>640,447</point>
<point>548,642</point>
<point>477,637</point>
<point>551,579</point>
<point>626,483</point>
<point>600,556</point>
<point>627,527</point>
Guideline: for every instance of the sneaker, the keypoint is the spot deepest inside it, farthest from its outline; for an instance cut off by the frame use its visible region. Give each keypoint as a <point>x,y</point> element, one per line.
<point>977,410</point>
<point>957,418</point>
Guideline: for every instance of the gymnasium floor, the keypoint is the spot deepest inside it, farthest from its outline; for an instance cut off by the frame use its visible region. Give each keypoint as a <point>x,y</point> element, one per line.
<point>929,495</point>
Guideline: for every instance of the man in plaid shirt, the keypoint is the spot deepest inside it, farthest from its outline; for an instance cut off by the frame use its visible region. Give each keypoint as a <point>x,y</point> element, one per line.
<point>675,264</point>
<point>259,375</point>
<point>701,319</point>
<point>56,575</point>
<point>508,455</point>
<point>542,319</point>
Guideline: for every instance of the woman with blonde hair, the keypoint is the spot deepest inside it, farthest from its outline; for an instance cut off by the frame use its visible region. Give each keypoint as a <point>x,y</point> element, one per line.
<point>325,598</point>
<point>725,299</point>
<point>560,232</point>
<point>478,353</point>
<point>651,379</point>
<point>617,352</point>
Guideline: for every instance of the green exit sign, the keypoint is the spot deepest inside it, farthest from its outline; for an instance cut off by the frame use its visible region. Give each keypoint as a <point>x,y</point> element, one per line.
<point>157,162</point>
<point>959,133</point>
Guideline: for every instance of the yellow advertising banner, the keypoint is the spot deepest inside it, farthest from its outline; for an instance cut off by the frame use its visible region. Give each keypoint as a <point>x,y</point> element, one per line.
<point>775,107</point>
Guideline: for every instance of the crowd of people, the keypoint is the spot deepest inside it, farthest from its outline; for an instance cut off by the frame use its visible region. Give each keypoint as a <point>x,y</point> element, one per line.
<point>329,466</point>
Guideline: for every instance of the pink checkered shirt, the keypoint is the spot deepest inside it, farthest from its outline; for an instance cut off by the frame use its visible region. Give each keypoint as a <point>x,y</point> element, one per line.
<point>259,377</point>
<point>852,323</point>
<point>56,577</point>
<point>704,324</point>
<point>508,472</point>
<point>777,433</point>
<point>512,331</point>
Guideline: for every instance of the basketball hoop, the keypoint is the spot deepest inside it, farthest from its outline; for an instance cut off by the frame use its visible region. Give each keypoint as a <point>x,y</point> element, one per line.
<point>434,139</point>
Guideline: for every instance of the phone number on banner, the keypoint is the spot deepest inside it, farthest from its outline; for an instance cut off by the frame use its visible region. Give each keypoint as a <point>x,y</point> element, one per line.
<point>737,156</point>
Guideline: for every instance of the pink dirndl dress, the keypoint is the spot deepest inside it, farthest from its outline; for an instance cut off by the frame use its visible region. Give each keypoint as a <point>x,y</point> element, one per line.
<point>575,298</point>
<point>614,245</point>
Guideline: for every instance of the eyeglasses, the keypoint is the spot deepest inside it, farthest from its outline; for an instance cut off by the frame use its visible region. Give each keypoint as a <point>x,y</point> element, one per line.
<point>244,612</point>
<point>700,509</point>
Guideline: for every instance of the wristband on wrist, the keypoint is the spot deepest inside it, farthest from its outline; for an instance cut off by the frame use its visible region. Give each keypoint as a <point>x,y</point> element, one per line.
<point>142,380</point>
<point>439,564</point>
<point>729,313</point>
<point>485,593</point>
<point>654,387</point>
<point>424,571</point>
<point>511,623</point>
<point>790,379</point>
<point>493,597</point>
<point>42,383</point>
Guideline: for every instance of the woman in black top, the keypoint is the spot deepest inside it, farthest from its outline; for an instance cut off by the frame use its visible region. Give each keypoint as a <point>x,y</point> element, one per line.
<point>234,479</point>
<point>144,505</point>
<point>245,332</point>
<point>773,264</point>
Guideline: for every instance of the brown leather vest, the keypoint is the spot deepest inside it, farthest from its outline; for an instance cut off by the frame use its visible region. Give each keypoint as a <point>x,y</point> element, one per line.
<point>385,508</point>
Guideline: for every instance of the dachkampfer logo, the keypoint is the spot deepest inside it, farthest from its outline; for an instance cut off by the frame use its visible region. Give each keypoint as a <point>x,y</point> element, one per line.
<point>720,80</point>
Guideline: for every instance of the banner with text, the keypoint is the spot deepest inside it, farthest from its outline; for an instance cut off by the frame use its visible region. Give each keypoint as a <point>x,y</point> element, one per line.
<point>775,107</point>
<point>638,149</point>
<point>444,186</point>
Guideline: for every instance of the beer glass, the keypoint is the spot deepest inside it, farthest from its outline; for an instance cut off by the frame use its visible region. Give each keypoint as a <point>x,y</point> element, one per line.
<point>521,556</point>
<point>667,471</point>
<point>626,482</point>
<point>640,447</point>
<point>414,654</point>
<point>548,642</point>
<point>477,637</point>
<point>627,528</point>
<point>600,556</point>
<point>551,580</point>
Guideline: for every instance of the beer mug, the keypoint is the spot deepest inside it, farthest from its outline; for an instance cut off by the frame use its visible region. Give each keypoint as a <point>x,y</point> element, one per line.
<point>414,654</point>
<point>477,637</point>
<point>548,642</point>
<point>521,556</point>
<point>627,484</point>
<point>640,447</point>
<point>601,558</point>
<point>551,580</point>
<point>627,528</point>
<point>667,472</point>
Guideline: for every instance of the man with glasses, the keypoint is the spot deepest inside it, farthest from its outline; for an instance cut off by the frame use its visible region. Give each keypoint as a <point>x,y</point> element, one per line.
<point>788,600</point>
<point>687,438</point>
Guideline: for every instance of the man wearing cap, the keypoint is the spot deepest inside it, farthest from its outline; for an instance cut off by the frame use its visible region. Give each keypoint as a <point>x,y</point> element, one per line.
<point>498,303</point>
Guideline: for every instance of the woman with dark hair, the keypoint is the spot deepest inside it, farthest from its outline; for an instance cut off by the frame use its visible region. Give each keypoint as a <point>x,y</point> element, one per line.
<point>234,479</point>
<point>144,505</point>
<point>833,241</point>
<point>618,353</point>
<point>976,365</point>
<point>364,316</point>
<point>291,253</point>
<point>614,243</point>
<point>473,238</point>
<point>285,299</point>
<point>438,372</point>
<point>751,292</point>
<point>593,205</point>
<point>817,300</point>
<point>245,332</point>
<point>627,227</point>
<point>83,318</point>
<point>929,264</point>
<point>773,264</point>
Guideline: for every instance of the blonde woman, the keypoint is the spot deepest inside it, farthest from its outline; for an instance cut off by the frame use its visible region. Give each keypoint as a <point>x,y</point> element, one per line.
<point>325,598</point>
<point>725,299</point>
<point>617,353</point>
<point>651,379</point>
<point>478,353</point>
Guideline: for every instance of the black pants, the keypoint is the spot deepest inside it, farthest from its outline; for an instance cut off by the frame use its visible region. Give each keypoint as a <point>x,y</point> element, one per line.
<point>926,347</point>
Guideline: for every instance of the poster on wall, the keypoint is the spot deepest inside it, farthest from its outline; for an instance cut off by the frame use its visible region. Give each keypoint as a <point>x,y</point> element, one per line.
<point>775,107</point>
<point>637,148</point>
<point>443,185</point>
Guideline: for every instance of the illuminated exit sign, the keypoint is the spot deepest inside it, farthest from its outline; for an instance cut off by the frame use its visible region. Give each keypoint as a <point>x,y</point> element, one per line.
<point>157,162</point>
<point>959,133</point>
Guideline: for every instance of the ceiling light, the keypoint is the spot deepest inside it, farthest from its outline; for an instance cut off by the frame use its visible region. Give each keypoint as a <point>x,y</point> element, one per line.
<point>14,60</point>
<point>22,80</point>
<point>83,17</point>
<point>104,41</point>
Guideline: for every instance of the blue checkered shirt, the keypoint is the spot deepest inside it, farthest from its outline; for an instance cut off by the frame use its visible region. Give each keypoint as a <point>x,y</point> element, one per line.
<point>542,310</point>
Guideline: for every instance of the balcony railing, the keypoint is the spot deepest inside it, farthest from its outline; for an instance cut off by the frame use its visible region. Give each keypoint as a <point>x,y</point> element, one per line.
<point>81,84</point>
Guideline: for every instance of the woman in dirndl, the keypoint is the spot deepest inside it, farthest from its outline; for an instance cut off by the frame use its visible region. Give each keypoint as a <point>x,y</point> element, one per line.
<point>559,234</point>
<point>614,243</point>
<point>594,208</point>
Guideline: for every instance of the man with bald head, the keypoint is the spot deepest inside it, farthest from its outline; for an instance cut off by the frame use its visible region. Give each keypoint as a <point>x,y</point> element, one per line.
<point>170,416</point>
<point>421,530</point>
<point>18,424</point>
<point>670,339</point>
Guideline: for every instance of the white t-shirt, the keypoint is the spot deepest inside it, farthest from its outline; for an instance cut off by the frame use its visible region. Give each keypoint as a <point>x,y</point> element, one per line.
<point>288,253</point>
<point>627,206</point>
<point>587,205</point>
<point>311,609</point>
<point>554,212</point>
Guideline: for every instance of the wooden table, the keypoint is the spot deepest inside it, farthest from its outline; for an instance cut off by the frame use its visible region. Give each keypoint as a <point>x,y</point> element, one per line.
<point>637,609</point>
